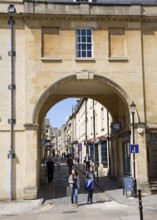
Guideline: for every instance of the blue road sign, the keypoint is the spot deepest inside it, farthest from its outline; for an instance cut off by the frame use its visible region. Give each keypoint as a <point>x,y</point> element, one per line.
<point>43,141</point>
<point>134,149</point>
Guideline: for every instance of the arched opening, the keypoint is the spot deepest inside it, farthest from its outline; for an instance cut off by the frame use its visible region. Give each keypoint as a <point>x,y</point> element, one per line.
<point>102,90</point>
<point>99,88</point>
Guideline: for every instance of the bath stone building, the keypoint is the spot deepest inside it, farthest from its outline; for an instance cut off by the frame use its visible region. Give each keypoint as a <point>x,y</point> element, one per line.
<point>51,50</point>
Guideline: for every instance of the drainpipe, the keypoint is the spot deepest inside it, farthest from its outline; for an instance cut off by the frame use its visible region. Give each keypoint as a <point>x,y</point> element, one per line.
<point>86,126</point>
<point>11,87</point>
<point>108,134</point>
<point>93,131</point>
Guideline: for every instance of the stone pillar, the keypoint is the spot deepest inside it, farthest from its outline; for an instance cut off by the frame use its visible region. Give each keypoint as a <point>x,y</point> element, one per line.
<point>141,159</point>
<point>31,161</point>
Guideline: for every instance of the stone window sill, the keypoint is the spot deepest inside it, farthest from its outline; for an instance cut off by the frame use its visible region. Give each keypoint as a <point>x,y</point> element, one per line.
<point>51,59</point>
<point>117,59</point>
<point>85,59</point>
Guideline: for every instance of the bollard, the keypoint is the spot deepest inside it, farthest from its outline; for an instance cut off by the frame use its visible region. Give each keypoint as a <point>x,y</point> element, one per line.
<point>140,204</point>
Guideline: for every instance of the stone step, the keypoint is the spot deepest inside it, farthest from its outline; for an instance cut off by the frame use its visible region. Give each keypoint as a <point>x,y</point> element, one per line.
<point>153,191</point>
<point>153,187</point>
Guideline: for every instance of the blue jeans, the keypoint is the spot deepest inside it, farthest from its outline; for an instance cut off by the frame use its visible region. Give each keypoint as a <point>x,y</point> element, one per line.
<point>75,195</point>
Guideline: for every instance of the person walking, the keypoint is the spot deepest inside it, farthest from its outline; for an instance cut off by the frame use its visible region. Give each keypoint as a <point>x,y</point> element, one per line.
<point>87,162</point>
<point>70,163</point>
<point>50,169</point>
<point>74,184</point>
<point>90,185</point>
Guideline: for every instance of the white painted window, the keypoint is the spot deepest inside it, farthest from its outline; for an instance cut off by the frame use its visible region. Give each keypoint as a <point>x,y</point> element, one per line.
<point>84,43</point>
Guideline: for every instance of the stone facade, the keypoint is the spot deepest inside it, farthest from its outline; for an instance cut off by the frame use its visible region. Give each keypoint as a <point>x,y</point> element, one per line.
<point>122,69</point>
<point>89,133</point>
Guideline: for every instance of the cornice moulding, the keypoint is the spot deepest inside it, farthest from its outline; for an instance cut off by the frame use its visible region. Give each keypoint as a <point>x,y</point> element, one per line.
<point>24,16</point>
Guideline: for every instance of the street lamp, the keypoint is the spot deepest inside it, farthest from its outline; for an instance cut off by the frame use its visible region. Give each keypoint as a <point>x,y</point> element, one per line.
<point>11,87</point>
<point>133,109</point>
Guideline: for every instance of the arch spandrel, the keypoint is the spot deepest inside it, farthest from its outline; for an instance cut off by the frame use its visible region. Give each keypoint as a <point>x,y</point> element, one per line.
<point>99,88</point>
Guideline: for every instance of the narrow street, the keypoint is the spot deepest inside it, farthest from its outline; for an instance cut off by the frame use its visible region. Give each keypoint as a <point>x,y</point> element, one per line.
<point>57,206</point>
<point>60,182</point>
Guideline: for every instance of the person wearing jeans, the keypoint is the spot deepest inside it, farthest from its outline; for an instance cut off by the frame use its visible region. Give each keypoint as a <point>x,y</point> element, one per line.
<point>74,182</point>
<point>90,185</point>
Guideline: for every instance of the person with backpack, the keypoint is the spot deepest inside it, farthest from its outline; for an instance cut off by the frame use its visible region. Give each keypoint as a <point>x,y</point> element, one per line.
<point>90,185</point>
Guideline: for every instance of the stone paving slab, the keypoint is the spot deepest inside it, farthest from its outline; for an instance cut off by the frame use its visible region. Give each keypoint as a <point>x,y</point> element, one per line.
<point>109,198</point>
<point>113,191</point>
<point>16,207</point>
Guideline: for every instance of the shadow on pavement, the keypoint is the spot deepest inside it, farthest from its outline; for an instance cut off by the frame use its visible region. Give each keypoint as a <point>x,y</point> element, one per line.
<point>60,183</point>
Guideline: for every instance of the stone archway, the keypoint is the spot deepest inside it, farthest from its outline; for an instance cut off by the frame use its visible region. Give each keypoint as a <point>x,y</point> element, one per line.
<point>97,87</point>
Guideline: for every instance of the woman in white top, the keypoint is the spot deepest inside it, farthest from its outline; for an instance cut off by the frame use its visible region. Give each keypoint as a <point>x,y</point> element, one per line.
<point>74,183</point>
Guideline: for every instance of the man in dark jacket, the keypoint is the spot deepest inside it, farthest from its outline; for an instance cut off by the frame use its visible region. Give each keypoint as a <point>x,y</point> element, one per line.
<point>50,169</point>
<point>70,163</point>
<point>87,162</point>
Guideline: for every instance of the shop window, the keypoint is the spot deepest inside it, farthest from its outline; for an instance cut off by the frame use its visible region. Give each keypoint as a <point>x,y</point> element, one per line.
<point>96,154</point>
<point>104,155</point>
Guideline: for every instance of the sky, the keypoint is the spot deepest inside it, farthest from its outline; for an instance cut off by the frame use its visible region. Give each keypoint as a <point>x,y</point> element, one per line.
<point>60,112</point>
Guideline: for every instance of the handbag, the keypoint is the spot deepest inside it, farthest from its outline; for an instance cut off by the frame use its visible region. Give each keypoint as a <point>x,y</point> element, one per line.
<point>68,191</point>
<point>89,184</point>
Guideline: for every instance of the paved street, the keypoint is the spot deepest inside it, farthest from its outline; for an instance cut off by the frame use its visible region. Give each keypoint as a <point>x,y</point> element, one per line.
<point>60,182</point>
<point>103,207</point>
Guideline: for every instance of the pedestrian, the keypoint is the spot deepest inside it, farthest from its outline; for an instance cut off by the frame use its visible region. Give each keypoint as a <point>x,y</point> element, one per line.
<point>90,185</point>
<point>70,163</point>
<point>78,161</point>
<point>50,169</point>
<point>87,162</point>
<point>92,164</point>
<point>74,184</point>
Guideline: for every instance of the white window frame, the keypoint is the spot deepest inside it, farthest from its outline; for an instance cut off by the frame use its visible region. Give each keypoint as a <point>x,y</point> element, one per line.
<point>82,44</point>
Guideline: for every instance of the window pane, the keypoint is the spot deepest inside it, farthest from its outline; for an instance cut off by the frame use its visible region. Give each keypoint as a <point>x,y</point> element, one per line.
<point>83,54</point>
<point>89,46</point>
<point>83,46</point>
<point>83,32</point>
<point>89,32</point>
<point>89,39</point>
<point>84,39</point>
<point>89,54</point>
